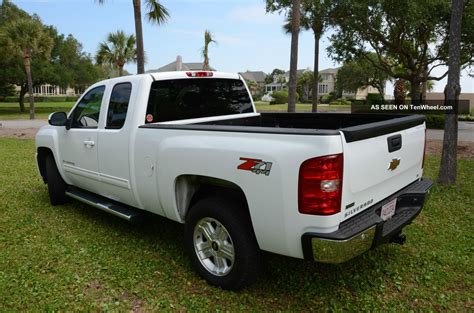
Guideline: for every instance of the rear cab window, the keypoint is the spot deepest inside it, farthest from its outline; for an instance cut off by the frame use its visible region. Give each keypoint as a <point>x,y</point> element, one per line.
<point>180,99</point>
<point>118,105</point>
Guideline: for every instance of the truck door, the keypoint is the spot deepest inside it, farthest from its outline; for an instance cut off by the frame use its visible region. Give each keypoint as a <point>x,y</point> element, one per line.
<point>79,145</point>
<point>114,151</point>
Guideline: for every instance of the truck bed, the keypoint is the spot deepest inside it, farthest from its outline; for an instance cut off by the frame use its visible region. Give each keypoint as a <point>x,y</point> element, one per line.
<point>354,126</point>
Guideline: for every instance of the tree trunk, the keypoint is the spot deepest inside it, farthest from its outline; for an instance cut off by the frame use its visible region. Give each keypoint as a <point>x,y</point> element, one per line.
<point>21,97</point>
<point>205,65</point>
<point>316,73</point>
<point>424,87</point>
<point>27,63</point>
<point>295,30</point>
<point>448,168</point>
<point>137,12</point>
<point>120,70</point>
<point>399,91</point>
<point>415,92</point>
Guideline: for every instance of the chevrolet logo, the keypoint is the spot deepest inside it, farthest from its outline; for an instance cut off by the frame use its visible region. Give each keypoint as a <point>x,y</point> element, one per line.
<point>394,164</point>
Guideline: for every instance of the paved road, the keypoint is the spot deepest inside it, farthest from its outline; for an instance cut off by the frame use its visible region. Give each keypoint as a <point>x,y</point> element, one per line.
<point>465,132</point>
<point>19,124</point>
<point>466,129</point>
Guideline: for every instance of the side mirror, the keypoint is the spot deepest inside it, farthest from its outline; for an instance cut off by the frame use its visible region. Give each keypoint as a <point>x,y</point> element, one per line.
<point>57,119</point>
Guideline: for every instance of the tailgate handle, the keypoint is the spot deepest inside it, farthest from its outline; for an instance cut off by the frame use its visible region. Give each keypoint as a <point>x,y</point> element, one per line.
<point>394,143</point>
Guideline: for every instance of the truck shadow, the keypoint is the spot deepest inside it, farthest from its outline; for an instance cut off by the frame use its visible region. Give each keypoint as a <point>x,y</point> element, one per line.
<point>282,278</point>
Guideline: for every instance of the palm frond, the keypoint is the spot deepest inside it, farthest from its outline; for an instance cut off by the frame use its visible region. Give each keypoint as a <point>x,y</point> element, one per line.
<point>156,12</point>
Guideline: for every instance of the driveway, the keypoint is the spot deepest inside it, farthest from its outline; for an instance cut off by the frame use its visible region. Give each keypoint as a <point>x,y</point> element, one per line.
<point>465,132</point>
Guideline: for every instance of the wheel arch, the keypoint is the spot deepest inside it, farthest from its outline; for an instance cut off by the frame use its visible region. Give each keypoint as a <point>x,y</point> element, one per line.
<point>42,154</point>
<point>191,188</point>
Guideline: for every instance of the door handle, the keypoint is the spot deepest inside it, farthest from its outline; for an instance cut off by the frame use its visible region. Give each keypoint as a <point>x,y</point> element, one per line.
<point>89,143</point>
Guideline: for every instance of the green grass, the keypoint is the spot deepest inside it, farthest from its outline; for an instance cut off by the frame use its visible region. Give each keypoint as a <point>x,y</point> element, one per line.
<point>11,111</point>
<point>74,257</point>
<point>300,107</point>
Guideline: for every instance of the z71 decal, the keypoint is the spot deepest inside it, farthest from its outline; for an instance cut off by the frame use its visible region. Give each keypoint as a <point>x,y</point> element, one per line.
<point>255,166</point>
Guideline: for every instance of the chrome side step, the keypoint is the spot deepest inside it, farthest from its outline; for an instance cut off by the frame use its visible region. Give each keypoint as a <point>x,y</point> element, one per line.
<point>115,208</point>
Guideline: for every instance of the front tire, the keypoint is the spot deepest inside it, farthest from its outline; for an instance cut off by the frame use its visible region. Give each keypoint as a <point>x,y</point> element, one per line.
<point>221,244</point>
<point>56,185</point>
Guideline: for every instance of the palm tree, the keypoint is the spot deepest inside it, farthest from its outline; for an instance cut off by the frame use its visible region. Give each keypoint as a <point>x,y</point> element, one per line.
<point>208,39</point>
<point>314,16</point>
<point>118,50</point>
<point>295,30</point>
<point>156,13</point>
<point>27,38</point>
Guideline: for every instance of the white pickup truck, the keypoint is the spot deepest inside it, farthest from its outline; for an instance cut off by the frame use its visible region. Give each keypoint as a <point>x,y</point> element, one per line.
<point>190,146</point>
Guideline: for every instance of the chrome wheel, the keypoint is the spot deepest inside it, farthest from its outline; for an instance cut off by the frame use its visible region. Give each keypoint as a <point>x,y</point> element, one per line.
<point>213,246</point>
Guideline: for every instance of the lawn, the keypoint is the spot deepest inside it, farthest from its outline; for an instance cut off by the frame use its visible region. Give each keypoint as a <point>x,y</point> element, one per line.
<point>300,107</point>
<point>74,257</point>
<point>11,111</point>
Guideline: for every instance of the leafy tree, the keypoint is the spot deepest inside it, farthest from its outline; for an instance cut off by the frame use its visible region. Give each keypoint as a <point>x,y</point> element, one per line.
<point>408,37</point>
<point>273,75</point>
<point>295,12</point>
<point>156,14</point>
<point>26,37</point>
<point>208,39</point>
<point>447,171</point>
<point>361,73</point>
<point>305,84</point>
<point>67,65</point>
<point>118,50</point>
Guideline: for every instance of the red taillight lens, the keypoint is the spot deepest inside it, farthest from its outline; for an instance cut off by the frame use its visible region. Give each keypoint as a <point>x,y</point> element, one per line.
<point>199,74</point>
<point>320,185</point>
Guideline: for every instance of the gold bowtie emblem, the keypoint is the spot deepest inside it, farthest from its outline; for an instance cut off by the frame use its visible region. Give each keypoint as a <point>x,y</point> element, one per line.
<point>394,164</point>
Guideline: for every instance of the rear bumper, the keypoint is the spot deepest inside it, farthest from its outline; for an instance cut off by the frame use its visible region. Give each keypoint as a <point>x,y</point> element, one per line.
<point>367,230</point>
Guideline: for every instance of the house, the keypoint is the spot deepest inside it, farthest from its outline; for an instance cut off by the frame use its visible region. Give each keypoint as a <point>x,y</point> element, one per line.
<point>256,76</point>
<point>52,90</point>
<point>281,81</point>
<point>178,65</point>
<point>325,86</point>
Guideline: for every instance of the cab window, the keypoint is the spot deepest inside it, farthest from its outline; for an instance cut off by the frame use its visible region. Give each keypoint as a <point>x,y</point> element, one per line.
<point>118,105</point>
<point>86,113</point>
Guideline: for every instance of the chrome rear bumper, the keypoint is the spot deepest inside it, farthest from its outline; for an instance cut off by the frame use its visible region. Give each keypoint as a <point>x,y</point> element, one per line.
<point>367,230</point>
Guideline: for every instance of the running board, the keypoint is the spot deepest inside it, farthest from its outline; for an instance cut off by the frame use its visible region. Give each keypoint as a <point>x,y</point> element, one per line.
<point>115,208</point>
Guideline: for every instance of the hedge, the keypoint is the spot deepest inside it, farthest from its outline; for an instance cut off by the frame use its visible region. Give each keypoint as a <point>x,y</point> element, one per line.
<point>43,99</point>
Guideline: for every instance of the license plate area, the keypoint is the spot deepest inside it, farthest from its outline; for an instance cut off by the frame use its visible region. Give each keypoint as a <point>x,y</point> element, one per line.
<point>388,210</point>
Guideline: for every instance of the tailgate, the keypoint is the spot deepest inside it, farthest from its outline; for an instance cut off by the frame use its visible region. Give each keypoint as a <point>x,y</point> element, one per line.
<point>380,159</point>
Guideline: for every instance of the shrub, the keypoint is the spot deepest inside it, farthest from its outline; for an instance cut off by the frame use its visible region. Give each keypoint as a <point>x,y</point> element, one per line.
<point>281,97</point>
<point>341,102</point>
<point>435,121</point>
<point>374,98</point>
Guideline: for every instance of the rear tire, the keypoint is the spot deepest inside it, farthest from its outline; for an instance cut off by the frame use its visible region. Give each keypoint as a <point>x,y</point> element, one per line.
<point>56,185</point>
<point>221,243</point>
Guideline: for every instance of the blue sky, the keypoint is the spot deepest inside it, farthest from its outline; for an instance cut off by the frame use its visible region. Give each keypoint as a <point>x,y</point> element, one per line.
<point>248,39</point>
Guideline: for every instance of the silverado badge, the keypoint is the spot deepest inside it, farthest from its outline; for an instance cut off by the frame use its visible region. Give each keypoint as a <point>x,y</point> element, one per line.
<point>394,164</point>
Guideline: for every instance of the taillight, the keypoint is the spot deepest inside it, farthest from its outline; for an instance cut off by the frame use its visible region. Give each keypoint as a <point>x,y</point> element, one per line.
<point>424,153</point>
<point>199,74</point>
<point>320,185</point>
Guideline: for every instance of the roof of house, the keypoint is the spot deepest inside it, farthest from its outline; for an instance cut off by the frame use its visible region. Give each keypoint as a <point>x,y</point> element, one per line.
<point>329,70</point>
<point>256,76</point>
<point>298,72</point>
<point>192,66</point>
